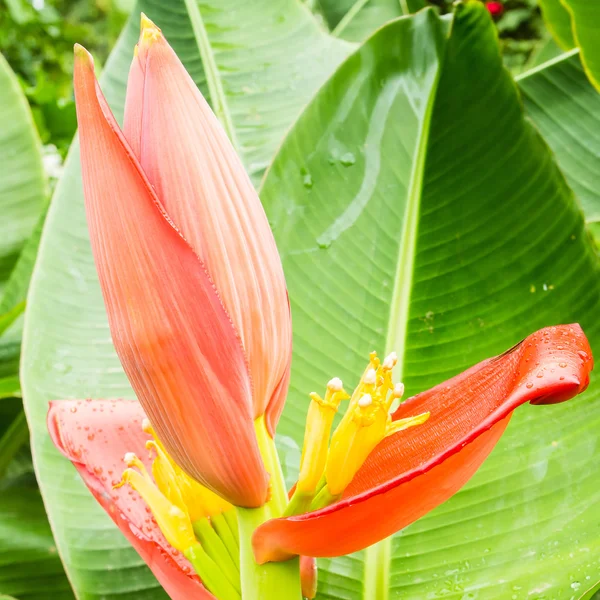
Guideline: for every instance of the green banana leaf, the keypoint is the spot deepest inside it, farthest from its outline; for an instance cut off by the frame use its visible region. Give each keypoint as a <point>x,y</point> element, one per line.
<point>558,21</point>
<point>25,537</point>
<point>374,13</point>
<point>565,107</point>
<point>585,20</point>
<point>365,16</point>
<point>12,305</point>
<point>22,179</point>
<point>22,200</point>
<point>450,235</point>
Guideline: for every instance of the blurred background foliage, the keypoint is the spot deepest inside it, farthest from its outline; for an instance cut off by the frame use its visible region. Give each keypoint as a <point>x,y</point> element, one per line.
<point>37,37</point>
<point>524,38</point>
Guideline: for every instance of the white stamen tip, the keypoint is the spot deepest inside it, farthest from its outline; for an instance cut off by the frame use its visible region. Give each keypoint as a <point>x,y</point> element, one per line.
<point>390,361</point>
<point>370,377</point>
<point>398,391</point>
<point>129,458</point>
<point>335,384</point>
<point>146,425</point>
<point>366,400</point>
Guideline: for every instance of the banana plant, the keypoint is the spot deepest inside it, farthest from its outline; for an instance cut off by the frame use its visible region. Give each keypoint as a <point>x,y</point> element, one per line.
<point>415,209</point>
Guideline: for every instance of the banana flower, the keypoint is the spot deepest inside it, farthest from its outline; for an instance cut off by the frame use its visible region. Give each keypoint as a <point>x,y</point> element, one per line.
<point>407,474</point>
<point>200,319</point>
<point>192,282</point>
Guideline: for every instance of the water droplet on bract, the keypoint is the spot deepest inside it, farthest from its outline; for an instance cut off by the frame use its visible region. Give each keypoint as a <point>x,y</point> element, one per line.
<point>91,436</point>
<point>73,409</point>
<point>582,354</point>
<point>575,585</point>
<point>324,245</point>
<point>529,385</point>
<point>307,181</point>
<point>348,159</point>
<point>562,365</point>
<point>540,374</point>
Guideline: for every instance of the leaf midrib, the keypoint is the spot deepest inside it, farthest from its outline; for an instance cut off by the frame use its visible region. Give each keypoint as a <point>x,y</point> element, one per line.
<point>379,556</point>
<point>218,99</point>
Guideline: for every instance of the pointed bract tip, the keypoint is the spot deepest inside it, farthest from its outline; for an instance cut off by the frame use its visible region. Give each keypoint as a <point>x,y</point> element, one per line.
<point>149,32</point>
<point>82,54</point>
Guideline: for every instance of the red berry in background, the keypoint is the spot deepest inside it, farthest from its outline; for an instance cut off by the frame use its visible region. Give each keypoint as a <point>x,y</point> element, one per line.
<point>496,9</point>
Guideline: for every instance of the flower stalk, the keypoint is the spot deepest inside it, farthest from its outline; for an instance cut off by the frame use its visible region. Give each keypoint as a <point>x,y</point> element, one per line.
<point>212,576</point>
<point>271,581</point>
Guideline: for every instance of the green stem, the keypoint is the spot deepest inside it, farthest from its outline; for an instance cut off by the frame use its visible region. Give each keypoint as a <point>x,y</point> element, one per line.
<point>377,570</point>
<point>324,498</point>
<point>266,443</point>
<point>300,503</point>
<point>211,574</point>
<point>271,581</point>
<point>230,540</point>
<point>216,549</point>
<point>274,580</point>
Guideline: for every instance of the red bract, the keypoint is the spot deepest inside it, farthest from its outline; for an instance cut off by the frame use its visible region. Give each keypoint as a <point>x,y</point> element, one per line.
<point>410,473</point>
<point>95,435</point>
<point>189,271</point>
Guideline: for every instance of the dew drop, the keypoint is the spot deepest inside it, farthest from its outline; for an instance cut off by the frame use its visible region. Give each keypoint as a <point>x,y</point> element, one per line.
<point>529,385</point>
<point>307,181</point>
<point>540,374</point>
<point>73,409</point>
<point>348,159</point>
<point>91,436</point>
<point>562,365</point>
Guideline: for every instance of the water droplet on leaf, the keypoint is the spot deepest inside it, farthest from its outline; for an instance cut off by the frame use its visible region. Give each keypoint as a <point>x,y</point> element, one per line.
<point>348,159</point>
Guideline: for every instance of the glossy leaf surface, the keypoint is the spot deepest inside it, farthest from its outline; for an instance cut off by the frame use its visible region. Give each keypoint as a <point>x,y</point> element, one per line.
<point>552,95</point>
<point>22,180</point>
<point>585,17</point>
